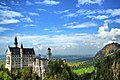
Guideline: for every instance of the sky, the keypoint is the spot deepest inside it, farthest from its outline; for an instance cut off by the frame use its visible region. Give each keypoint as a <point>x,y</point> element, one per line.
<point>68,27</point>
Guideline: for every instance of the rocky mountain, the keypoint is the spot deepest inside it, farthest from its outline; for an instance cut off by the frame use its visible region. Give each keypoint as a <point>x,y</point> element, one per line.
<point>108,68</point>
<point>107,63</point>
<point>107,50</point>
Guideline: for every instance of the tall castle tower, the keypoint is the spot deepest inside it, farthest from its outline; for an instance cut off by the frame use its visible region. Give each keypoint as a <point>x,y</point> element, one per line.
<point>49,54</point>
<point>15,42</point>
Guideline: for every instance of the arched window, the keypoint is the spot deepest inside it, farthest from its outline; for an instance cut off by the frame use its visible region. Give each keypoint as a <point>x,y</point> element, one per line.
<point>8,60</point>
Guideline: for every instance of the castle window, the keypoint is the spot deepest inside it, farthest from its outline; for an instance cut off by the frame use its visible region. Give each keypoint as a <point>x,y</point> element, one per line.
<point>8,60</point>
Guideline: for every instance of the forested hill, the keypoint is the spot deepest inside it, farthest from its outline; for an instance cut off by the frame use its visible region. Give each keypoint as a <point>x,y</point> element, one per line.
<point>108,68</point>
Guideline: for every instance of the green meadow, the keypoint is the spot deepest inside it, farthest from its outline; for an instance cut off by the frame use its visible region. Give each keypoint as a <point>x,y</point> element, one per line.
<point>84,70</point>
<point>80,67</point>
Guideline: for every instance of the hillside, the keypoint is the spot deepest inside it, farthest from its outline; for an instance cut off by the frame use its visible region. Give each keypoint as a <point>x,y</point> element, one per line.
<point>108,68</point>
<point>106,64</point>
<point>107,50</point>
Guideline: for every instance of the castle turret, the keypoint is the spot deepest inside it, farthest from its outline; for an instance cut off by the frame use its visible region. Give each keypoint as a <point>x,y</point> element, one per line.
<point>49,54</point>
<point>15,42</point>
<point>22,46</point>
<point>21,55</point>
<point>39,56</point>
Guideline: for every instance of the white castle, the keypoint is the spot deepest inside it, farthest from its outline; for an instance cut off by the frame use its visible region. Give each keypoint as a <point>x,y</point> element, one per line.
<point>20,57</point>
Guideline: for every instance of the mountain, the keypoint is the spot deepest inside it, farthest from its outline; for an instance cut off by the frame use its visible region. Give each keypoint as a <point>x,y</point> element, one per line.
<point>107,50</point>
<point>108,68</point>
<point>107,63</point>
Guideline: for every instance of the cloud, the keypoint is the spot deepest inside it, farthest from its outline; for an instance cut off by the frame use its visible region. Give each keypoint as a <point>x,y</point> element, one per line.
<point>10,14</point>
<point>103,28</point>
<point>82,25</point>
<point>42,9</point>
<point>15,2</point>
<point>30,25</point>
<point>9,17</point>
<point>61,44</point>
<point>95,14</point>
<point>61,12</point>
<point>28,3</point>
<point>48,2</point>
<point>2,29</point>
<point>54,29</point>
<point>87,2</point>
<point>99,17</point>
<point>114,12</point>
<point>9,21</point>
<point>27,19</point>
<point>111,36</point>
<point>116,20</point>
<point>3,3</point>
<point>33,14</point>
<point>4,7</point>
<point>71,15</point>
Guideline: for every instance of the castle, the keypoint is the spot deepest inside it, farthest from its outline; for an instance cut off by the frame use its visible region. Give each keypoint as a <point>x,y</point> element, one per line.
<point>20,57</point>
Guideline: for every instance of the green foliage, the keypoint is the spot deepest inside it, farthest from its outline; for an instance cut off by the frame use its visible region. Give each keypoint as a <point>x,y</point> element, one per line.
<point>4,73</point>
<point>21,74</point>
<point>58,70</point>
<point>84,70</point>
<point>103,68</point>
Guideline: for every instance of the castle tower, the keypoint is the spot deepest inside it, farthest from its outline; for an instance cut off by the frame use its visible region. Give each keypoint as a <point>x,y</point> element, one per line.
<point>21,45</point>
<point>21,56</point>
<point>15,42</point>
<point>49,54</point>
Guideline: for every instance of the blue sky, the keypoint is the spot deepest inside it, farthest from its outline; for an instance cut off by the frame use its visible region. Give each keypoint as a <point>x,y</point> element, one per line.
<point>69,27</point>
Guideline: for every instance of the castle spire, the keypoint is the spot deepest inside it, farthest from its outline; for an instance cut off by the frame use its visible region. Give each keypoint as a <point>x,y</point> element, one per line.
<point>21,45</point>
<point>49,54</point>
<point>15,42</point>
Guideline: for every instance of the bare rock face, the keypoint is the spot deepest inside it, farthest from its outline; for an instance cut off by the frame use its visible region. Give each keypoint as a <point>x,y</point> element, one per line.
<point>107,50</point>
<point>116,70</point>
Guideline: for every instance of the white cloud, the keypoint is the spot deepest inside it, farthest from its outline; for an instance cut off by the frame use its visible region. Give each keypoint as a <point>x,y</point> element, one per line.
<point>111,36</point>
<point>71,15</point>
<point>48,2</point>
<point>101,14</point>
<point>15,2</point>
<point>10,14</point>
<point>115,12</point>
<point>103,28</point>
<point>54,29</point>
<point>4,7</point>
<point>27,19</point>
<point>3,3</point>
<point>100,17</point>
<point>60,44</point>
<point>2,29</point>
<point>30,25</point>
<point>87,2</point>
<point>9,21</point>
<point>33,14</point>
<point>76,43</point>
<point>61,12</point>
<point>82,25</point>
<point>29,3</point>
<point>116,20</point>
<point>42,9</point>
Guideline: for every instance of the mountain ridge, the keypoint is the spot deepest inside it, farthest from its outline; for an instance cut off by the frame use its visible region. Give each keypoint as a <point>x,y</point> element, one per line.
<point>107,50</point>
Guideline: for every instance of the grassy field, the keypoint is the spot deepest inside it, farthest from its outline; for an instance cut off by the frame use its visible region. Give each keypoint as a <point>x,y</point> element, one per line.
<point>80,70</point>
<point>84,70</point>
<point>75,63</point>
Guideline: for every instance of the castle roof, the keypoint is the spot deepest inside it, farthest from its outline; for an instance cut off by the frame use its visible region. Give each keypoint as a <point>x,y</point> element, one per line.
<point>15,50</point>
